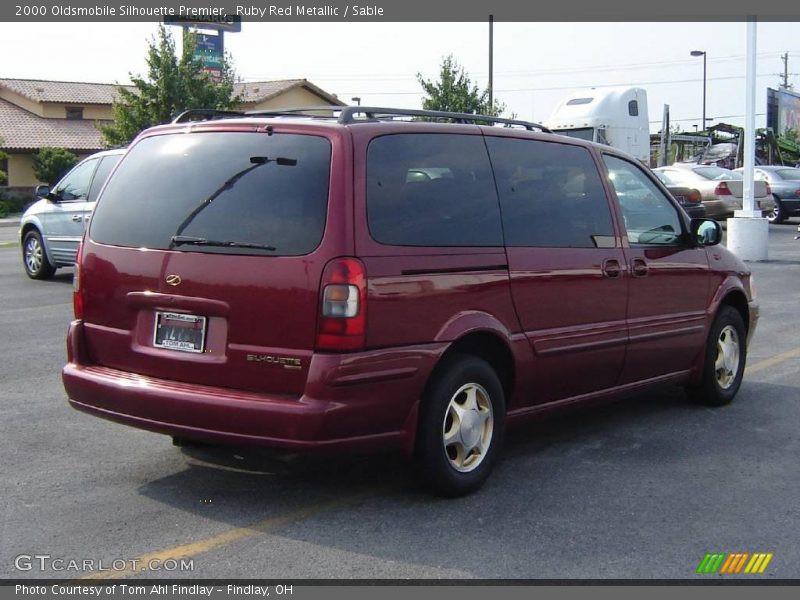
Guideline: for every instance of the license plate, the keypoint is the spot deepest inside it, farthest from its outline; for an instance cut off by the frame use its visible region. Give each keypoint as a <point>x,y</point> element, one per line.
<point>176,331</point>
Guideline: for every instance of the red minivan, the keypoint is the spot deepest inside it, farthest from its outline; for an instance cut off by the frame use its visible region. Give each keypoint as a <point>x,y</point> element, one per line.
<point>390,278</point>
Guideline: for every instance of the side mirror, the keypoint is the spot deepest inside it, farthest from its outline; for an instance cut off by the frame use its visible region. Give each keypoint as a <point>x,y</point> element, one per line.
<point>42,191</point>
<point>706,232</point>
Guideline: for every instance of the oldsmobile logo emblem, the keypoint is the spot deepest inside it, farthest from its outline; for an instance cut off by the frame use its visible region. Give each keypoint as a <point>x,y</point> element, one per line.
<point>173,280</point>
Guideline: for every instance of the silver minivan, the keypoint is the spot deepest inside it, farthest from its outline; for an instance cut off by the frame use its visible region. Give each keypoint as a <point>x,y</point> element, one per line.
<point>52,228</point>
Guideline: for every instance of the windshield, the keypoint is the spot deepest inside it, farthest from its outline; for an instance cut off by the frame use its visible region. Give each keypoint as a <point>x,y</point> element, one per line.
<point>789,174</point>
<point>716,173</point>
<point>586,133</point>
<point>238,193</point>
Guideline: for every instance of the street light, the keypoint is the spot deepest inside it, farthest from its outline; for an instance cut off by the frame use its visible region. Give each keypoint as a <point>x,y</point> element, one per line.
<point>356,99</point>
<point>703,54</point>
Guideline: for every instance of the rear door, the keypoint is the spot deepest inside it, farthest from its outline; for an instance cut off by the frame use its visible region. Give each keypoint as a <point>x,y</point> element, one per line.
<point>204,257</point>
<point>429,234</point>
<point>669,279</point>
<point>566,262</point>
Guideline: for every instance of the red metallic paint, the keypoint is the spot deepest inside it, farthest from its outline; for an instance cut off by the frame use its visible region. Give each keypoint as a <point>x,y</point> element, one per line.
<point>565,322</point>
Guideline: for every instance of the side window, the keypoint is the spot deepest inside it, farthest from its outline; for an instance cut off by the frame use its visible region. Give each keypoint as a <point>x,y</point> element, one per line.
<point>75,186</point>
<point>650,218</point>
<point>431,190</point>
<point>551,195</point>
<point>100,176</point>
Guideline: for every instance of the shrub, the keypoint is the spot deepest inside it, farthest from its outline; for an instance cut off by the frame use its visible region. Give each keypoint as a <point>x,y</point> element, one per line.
<point>49,164</point>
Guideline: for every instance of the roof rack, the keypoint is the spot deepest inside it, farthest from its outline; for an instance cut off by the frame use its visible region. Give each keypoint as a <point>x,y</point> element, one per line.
<point>347,115</point>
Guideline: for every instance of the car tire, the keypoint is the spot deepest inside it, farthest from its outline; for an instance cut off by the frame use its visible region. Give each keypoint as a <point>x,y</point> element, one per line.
<point>34,257</point>
<point>724,361</point>
<point>460,426</point>
<point>777,214</point>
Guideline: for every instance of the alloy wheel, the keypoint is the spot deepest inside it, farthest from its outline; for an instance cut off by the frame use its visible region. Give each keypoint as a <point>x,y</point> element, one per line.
<point>726,365</point>
<point>468,427</point>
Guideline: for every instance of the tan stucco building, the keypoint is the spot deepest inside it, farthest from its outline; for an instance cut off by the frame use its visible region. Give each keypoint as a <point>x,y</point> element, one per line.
<point>37,113</point>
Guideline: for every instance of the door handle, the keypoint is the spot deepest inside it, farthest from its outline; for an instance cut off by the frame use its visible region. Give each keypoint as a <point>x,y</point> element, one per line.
<point>639,267</point>
<point>77,218</point>
<point>611,268</point>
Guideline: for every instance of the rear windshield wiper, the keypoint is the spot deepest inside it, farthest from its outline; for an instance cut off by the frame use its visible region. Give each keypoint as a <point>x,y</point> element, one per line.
<point>187,240</point>
<point>256,161</point>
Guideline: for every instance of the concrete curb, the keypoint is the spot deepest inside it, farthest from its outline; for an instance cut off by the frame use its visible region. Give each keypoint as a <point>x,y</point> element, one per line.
<point>9,222</point>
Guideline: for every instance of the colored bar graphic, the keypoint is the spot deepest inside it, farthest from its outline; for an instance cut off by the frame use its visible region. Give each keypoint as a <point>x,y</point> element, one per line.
<point>701,568</point>
<point>767,558</point>
<point>726,566</point>
<point>741,562</point>
<point>733,563</point>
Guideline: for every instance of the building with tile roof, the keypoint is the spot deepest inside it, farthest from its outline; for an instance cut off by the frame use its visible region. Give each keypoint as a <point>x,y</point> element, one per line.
<point>38,113</point>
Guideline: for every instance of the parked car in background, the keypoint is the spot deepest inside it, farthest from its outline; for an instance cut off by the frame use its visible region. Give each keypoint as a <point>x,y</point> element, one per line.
<point>721,189</point>
<point>785,185</point>
<point>690,199</point>
<point>52,227</point>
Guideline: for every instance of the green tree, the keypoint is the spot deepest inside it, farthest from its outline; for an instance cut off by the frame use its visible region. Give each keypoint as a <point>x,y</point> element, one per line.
<point>455,92</point>
<point>172,85</point>
<point>3,156</point>
<point>50,164</point>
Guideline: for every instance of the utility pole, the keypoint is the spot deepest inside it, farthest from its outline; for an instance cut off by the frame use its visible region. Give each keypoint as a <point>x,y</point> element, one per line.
<point>491,63</point>
<point>785,76</point>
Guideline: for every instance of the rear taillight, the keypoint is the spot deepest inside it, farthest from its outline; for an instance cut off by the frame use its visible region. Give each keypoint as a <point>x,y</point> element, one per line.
<point>797,193</point>
<point>693,196</point>
<point>77,295</point>
<point>722,189</point>
<point>343,306</point>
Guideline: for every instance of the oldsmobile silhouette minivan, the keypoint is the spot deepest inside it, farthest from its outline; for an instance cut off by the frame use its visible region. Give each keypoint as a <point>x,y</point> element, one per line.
<point>384,278</point>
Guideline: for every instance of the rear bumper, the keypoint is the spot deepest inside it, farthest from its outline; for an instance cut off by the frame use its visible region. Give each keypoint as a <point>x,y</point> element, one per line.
<point>717,208</point>
<point>347,404</point>
<point>791,204</point>
<point>695,211</point>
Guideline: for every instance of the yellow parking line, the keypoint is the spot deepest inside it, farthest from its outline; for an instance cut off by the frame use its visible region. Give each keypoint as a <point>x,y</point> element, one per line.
<point>265,525</point>
<point>233,535</point>
<point>773,361</point>
<point>8,244</point>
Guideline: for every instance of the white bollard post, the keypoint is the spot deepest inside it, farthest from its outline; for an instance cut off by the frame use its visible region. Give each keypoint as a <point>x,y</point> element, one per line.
<point>748,231</point>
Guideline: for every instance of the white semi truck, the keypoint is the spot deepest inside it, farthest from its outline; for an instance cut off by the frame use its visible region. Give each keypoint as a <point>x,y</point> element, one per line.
<point>613,116</point>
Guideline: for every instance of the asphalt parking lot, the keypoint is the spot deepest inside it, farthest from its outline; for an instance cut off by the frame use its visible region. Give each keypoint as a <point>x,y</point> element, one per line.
<point>642,488</point>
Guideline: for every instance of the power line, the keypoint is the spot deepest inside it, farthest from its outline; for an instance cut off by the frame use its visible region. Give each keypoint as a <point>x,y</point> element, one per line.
<point>711,119</point>
<point>577,87</point>
<point>554,71</point>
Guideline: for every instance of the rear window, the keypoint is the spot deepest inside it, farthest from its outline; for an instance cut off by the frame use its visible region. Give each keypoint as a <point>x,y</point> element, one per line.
<point>218,192</point>
<point>432,190</point>
<point>665,179</point>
